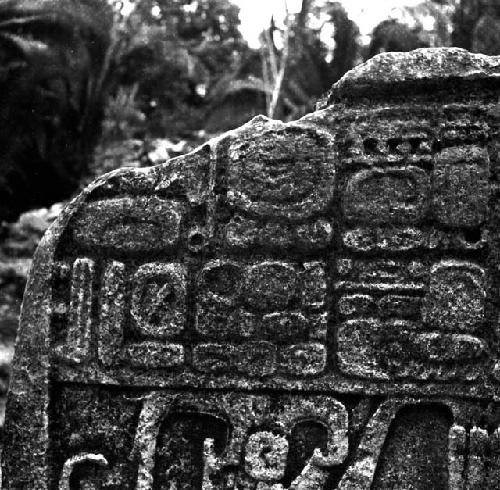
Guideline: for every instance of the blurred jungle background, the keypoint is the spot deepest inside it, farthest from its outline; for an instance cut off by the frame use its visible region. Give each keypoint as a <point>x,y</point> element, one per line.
<point>87,86</point>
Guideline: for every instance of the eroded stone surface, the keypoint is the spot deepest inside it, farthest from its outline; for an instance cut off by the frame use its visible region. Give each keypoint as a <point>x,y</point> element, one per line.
<point>312,305</point>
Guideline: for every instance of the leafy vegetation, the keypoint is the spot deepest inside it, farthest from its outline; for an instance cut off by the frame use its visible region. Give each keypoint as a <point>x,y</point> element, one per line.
<point>181,67</point>
<point>180,70</point>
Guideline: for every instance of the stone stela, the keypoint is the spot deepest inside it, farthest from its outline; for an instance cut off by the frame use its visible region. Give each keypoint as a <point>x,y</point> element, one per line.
<point>311,305</point>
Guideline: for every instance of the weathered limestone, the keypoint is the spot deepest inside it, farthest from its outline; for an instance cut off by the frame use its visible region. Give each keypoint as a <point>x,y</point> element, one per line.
<point>312,305</point>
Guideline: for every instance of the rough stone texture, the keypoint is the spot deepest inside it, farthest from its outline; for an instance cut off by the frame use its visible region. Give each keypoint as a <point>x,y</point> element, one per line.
<point>18,242</point>
<point>312,305</point>
<point>415,70</point>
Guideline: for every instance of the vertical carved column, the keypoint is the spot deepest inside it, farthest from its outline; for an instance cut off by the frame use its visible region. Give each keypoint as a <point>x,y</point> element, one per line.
<point>78,340</point>
<point>110,335</point>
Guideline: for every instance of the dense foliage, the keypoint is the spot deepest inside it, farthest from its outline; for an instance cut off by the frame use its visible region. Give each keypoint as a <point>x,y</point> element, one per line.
<point>51,99</point>
<point>178,70</point>
<point>189,68</point>
<point>182,66</point>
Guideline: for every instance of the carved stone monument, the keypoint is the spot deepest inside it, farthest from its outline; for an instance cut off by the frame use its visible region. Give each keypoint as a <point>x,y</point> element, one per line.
<point>312,305</point>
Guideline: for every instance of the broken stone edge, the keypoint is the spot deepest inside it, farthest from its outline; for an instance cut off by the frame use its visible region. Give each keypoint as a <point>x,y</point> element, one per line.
<point>397,73</point>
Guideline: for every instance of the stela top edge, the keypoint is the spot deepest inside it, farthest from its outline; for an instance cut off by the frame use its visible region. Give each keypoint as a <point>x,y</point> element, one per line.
<point>394,73</point>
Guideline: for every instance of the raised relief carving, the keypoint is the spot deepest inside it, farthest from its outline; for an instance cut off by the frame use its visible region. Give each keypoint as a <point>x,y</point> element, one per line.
<point>273,186</point>
<point>158,300</point>
<point>252,450</point>
<point>301,306</point>
<point>77,344</point>
<point>257,447</point>
<point>126,224</point>
<point>416,336</point>
<point>279,177</point>
<point>157,309</point>
<point>473,458</point>
<point>73,462</point>
<point>394,195</point>
<point>392,239</point>
<point>460,186</point>
<point>265,456</point>
<point>417,428</point>
<point>327,411</point>
<point>262,305</point>
<point>360,474</point>
<point>112,314</point>
<point>245,233</point>
<point>456,297</point>
<point>241,411</point>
